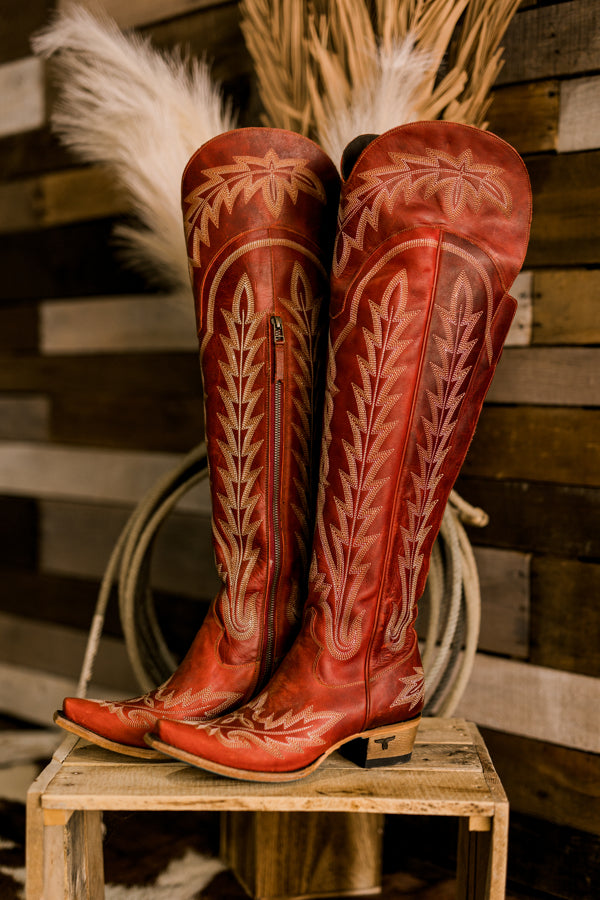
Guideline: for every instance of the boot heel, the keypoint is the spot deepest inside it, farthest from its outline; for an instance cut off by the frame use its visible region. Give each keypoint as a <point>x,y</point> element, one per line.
<point>383,746</point>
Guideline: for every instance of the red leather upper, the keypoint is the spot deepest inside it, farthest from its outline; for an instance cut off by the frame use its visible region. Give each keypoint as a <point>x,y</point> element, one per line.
<point>259,208</point>
<point>432,229</point>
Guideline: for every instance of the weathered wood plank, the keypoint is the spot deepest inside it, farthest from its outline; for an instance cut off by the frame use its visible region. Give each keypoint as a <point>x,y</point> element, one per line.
<point>59,198</point>
<point>18,327</point>
<point>545,780</point>
<point>33,695</point>
<point>167,422</point>
<point>127,374</point>
<point>142,12</point>
<point>560,39</point>
<point>526,115</point>
<point>18,532</point>
<point>579,120</point>
<point>24,418</point>
<point>566,308</point>
<point>546,518</point>
<point>17,23</point>
<point>145,323</point>
<point>557,376</point>
<point>504,581</point>
<point>565,229</point>
<point>76,539</point>
<point>22,92</point>
<point>533,701</point>
<point>70,261</point>
<point>103,476</point>
<point>519,334</point>
<point>69,601</point>
<point>565,625</point>
<point>22,746</point>
<point>553,859</point>
<point>533,443</point>
<point>60,650</point>
<point>33,152</point>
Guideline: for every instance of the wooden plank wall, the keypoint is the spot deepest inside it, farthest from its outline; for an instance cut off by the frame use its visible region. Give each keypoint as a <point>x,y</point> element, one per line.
<point>100,393</point>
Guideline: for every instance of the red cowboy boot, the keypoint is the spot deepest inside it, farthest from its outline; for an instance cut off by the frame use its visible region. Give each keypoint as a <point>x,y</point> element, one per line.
<point>259,208</point>
<point>433,227</point>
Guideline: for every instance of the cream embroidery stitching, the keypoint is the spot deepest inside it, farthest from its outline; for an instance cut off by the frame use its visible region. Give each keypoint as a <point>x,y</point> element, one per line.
<point>413,689</point>
<point>345,545</point>
<point>459,180</point>
<point>454,349</point>
<point>304,324</point>
<point>144,711</point>
<point>270,175</point>
<point>235,529</point>
<point>274,733</point>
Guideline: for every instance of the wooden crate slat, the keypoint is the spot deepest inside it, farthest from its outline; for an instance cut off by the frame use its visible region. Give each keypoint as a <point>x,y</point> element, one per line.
<point>546,518</point>
<point>547,781</point>
<point>557,376</point>
<point>565,627</point>
<point>565,229</point>
<point>533,701</point>
<point>560,39</point>
<point>22,92</point>
<point>565,306</point>
<point>534,443</point>
<point>144,323</point>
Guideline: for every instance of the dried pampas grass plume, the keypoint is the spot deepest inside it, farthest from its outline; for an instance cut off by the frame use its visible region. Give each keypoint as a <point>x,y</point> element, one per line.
<point>141,113</point>
<point>364,66</point>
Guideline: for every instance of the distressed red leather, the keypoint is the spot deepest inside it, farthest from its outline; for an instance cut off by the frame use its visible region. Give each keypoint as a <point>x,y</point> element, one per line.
<point>259,210</point>
<point>432,230</point>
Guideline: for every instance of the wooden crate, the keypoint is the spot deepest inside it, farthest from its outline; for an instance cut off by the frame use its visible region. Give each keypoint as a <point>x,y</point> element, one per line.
<point>450,774</point>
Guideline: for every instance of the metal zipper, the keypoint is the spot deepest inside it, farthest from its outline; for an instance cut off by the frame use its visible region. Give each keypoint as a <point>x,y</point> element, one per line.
<point>278,344</point>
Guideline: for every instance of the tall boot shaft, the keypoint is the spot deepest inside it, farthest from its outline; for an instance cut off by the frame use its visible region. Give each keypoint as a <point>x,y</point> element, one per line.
<point>259,208</point>
<point>432,230</point>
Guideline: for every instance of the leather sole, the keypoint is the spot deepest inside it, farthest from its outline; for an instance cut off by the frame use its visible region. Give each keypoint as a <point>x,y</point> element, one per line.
<point>394,742</point>
<point>105,743</point>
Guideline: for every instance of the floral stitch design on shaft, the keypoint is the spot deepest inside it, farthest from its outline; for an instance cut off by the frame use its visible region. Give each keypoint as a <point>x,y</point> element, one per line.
<point>347,543</point>
<point>459,180</point>
<point>454,349</point>
<point>273,177</point>
<point>236,524</point>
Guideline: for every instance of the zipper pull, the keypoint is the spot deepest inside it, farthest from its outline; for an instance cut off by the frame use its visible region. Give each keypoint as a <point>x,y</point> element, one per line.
<point>279,344</point>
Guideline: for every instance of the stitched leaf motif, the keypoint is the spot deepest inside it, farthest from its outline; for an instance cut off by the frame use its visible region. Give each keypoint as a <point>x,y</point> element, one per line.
<point>273,732</point>
<point>237,523</point>
<point>271,176</point>
<point>347,538</point>
<point>454,349</point>
<point>458,180</point>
